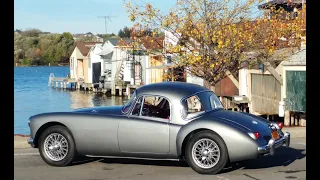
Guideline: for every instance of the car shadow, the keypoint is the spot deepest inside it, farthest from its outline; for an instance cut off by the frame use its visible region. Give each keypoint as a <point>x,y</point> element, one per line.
<point>283,157</point>
<point>84,160</point>
<point>145,162</point>
<point>79,160</point>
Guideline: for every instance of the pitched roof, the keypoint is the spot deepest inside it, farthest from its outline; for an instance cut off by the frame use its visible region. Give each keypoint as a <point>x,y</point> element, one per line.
<point>152,43</point>
<point>84,47</point>
<point>114,41</point>
<point>119,41</point>
<point>282,2</point>
<point>297,59</point>
<point>91,43</point>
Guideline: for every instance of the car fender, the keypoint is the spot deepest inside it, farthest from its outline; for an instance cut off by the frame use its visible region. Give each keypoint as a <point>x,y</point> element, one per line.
<point>239,144</point>
<point>88,130</point>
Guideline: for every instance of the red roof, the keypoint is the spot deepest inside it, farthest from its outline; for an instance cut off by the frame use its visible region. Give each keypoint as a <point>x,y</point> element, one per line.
<point>83,46</point>
<point>152,43</point>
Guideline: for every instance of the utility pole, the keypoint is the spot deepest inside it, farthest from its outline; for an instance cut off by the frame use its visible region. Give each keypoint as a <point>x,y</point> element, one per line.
<point>134,66</point>
<point>105,21</point>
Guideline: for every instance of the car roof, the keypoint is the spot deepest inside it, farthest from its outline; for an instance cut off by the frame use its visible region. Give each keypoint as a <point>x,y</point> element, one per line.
<point>171,89</point>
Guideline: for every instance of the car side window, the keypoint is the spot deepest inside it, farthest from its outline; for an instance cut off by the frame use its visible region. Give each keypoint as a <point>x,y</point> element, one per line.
<point>137,107</point>
<point>156,106</point>
<point>192,107</point>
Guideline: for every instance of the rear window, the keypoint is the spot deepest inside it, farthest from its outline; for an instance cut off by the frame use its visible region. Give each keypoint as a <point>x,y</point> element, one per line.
<point>200,103</point>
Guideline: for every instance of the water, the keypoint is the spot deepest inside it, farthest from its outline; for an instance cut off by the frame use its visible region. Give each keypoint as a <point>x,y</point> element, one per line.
<point>33,96</point>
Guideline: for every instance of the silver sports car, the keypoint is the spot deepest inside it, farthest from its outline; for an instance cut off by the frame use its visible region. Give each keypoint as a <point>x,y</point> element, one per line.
<point>169,120</point>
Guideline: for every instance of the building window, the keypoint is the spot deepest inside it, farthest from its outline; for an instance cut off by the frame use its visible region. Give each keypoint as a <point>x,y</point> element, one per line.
<point>89,62</point>
<point>71,62</point>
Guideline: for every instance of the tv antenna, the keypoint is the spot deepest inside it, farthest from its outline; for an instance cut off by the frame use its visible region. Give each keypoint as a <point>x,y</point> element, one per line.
<point>105,20</point>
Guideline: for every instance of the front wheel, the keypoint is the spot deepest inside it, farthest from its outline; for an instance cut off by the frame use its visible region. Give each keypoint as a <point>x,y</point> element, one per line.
<point>206,153</point>
<point>56,146</point>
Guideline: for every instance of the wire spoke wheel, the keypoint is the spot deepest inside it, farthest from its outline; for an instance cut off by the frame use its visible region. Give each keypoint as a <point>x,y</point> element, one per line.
<point>56,147</point>
<point>205,153</point>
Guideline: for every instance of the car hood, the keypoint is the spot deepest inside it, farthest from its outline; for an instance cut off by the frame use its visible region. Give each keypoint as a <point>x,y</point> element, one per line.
<point>112,110</point>
<point>245,120</point>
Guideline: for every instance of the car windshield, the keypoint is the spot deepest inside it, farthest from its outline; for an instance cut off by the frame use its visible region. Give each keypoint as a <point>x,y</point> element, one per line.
<point>128,104</point>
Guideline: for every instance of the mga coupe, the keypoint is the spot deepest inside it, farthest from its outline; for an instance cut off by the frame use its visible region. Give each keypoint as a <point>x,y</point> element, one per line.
<point>168,121</point>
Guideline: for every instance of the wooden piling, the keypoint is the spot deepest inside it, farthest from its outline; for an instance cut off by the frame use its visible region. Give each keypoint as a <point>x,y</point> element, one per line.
<point>113,91</point>
<point>287,118</point>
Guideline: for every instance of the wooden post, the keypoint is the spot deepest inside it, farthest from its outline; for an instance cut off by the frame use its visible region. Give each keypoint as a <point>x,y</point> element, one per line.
<point>120,91</point>
<point>65,85</point>
<point>113,90</point>
<point>287,118</point>
<point>61,85</point>
<point>57,84</point>
<point>78,86</point>
<point>129,95</point>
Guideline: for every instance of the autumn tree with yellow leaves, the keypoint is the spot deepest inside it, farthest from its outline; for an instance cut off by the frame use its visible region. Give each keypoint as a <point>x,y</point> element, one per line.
<point>213,37</point>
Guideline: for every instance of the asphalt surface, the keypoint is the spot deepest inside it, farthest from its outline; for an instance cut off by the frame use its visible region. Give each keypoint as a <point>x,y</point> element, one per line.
<point>287,163</point>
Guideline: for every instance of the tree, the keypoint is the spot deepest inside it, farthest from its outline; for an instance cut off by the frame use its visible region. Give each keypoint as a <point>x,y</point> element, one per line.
<point>124,33</point>
<point>67,35</point>
<point>214,37</point>
<point>120,33</point>
<point>31,32</point>
<point>34,48</point>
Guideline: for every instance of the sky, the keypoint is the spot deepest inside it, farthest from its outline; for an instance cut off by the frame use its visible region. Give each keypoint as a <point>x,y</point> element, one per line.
<point>76,16</point>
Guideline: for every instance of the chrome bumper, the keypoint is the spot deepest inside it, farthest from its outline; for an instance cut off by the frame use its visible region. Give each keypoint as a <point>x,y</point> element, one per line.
<point>272,145</point>
<point>31,142</point>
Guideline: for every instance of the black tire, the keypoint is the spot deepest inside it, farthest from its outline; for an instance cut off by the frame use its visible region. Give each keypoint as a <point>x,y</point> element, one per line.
<point>222,148</point>
<point>71,152</point>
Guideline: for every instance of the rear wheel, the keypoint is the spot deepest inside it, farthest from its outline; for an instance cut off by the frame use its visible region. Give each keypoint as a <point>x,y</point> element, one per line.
<point>206,153</point>
<point>56,146</point>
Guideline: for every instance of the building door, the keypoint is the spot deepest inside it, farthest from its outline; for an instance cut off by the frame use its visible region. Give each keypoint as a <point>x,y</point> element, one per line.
<point>96,72</point>
<point>80,69</point>
<point>296,91</point>
<point>265,93</point>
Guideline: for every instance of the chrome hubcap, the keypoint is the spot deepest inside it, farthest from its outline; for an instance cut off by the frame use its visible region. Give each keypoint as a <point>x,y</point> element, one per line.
<point>56,147</point>
<point>205,153</point>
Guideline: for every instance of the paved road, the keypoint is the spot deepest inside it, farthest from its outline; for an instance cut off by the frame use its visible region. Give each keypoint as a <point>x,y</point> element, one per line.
<point>288,163</point>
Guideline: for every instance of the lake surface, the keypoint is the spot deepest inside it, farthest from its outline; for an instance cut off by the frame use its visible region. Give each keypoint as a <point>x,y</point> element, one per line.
<point>32,95</point>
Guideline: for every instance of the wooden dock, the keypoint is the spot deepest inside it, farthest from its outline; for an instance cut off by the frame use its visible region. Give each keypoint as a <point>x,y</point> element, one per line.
<point>63,82</point>
<point>71,83</point>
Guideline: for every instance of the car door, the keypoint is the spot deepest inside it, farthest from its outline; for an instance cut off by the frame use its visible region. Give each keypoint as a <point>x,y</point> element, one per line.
<point>147,128</point>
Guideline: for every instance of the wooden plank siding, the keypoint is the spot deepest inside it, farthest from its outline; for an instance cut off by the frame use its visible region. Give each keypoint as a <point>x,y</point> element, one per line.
<point>226,87</point>
<point>265,94</point>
